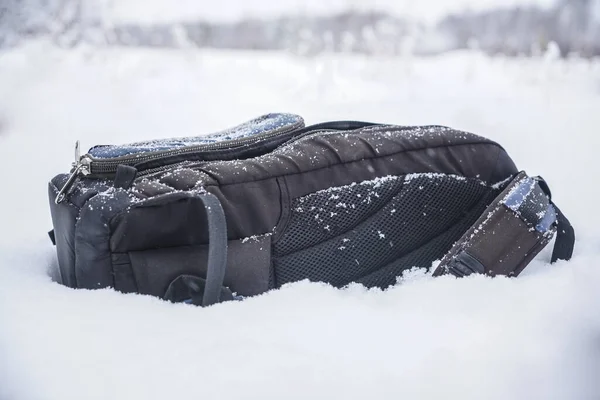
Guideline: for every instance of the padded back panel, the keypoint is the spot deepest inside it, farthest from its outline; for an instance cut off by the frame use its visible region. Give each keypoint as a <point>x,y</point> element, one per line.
<point>376,229</point>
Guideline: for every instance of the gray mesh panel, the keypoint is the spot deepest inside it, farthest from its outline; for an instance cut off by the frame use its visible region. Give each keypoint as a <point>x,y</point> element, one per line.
<point>325,214</point>
<point>406,214</point>
<point>433,250</point>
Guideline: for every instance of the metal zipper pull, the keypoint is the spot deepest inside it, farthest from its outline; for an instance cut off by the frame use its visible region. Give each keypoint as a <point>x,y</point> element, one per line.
<point>81,167</point>
<point>77,153</point>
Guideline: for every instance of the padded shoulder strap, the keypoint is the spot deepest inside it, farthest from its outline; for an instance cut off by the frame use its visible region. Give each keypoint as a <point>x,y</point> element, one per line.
<point>514,228</point>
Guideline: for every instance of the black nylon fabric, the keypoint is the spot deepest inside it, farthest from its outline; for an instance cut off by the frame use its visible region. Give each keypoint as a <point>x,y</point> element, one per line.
<point>101,230</point>
<point>250,192</point>
<point>414,149</point>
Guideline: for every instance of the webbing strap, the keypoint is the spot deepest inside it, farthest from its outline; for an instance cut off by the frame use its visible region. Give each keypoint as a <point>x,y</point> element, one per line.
<point>565,233</point>
<point>125,176</point>
<point>565,238</point>
<point>217,248</point>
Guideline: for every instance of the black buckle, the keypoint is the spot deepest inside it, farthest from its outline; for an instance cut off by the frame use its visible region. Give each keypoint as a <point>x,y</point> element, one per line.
<point>465,264</point>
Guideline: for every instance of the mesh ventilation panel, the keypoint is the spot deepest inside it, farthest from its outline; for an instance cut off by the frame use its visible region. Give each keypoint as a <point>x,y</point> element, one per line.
<point>327,213</point>
<point>406,214</point>
<point>435,249</point>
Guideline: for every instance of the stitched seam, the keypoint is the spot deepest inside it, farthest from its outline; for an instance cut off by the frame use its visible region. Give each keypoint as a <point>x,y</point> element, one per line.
<point>493,171</point>
<point>285,217</point>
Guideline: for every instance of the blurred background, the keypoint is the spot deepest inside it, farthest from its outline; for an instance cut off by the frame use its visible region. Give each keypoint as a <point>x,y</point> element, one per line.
<point>422,27</point>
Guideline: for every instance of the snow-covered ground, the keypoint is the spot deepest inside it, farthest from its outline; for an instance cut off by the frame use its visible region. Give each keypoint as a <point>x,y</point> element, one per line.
<point>535,337</point>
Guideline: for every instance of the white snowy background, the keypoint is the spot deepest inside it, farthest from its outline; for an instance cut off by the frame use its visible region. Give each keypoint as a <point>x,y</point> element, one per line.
<point>534,337</point>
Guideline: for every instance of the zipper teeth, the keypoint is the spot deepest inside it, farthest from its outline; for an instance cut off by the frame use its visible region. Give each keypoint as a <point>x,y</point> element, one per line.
<point>311,133</point>
<point>195,165</point>
<point>99,166</point>
<point>297,138</point>
<point>151,171</point>
<point>325,130</point>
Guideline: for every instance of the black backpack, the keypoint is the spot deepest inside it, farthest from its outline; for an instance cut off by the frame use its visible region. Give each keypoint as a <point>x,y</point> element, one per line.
<point>249,209</point>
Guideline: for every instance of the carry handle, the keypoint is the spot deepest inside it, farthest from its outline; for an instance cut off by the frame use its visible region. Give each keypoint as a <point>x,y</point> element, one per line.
<point>217,248</point>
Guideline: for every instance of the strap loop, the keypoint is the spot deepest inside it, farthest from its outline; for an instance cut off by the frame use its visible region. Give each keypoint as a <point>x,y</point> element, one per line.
<point>565,238</point>
<point>217,248</point>
<point>565,233</point>
<point>124,176</point>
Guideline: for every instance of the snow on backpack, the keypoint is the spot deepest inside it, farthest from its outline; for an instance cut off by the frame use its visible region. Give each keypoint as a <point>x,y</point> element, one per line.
<point>234,214</point>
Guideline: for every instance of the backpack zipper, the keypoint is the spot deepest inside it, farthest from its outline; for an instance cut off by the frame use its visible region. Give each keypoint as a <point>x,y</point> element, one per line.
<point>87,165</point>
<point>310,132</point>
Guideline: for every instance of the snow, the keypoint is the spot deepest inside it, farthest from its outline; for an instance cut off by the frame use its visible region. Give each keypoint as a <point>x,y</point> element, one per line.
<point>537,336</point>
